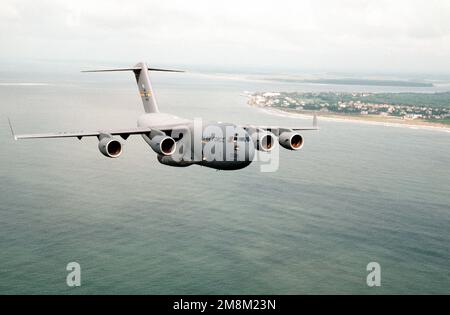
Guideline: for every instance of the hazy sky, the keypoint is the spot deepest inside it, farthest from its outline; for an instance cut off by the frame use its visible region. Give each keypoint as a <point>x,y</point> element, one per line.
<point>323,35</point>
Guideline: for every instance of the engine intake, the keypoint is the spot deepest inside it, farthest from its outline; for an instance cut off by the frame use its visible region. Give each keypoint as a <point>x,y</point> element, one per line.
<point>264,141</point>
<point>163,145</point>
<point>291,140</point>
<point>110,147</point>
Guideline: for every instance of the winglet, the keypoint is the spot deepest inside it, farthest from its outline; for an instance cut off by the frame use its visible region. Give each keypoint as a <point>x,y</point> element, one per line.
<point>12,129</point>
<point>315,125</point>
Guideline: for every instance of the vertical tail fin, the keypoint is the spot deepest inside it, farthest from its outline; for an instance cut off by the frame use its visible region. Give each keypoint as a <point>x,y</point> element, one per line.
<point>145,88</point>
<point>143,82</point>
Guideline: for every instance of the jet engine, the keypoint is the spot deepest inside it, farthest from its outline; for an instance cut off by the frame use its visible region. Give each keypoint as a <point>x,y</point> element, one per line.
<point>291,140</point>
<point>163,144</point>
<point>263,141</point>
<point>110,147</point>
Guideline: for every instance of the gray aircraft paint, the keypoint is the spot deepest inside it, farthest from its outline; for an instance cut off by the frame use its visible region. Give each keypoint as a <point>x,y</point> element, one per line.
<point>230,148</point>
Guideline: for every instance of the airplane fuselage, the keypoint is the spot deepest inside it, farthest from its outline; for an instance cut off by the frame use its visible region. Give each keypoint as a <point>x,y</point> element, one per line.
<point>217,145</point>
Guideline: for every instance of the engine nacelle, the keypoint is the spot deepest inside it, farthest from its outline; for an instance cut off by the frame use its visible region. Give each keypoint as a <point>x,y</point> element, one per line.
<point>291,140</point>
<point>264,141</point>
<point>163,145</point>
<point>110,147</point>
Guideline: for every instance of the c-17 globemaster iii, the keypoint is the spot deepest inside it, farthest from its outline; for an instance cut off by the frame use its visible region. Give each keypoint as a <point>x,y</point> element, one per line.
<point>182,142</point>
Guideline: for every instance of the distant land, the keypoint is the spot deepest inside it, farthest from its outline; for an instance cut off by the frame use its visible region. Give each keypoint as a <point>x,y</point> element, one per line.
<point>369,82</point>
<point>406,108</point>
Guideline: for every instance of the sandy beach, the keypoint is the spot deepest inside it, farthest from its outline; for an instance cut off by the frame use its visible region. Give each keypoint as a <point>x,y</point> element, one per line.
<point>369,119</point>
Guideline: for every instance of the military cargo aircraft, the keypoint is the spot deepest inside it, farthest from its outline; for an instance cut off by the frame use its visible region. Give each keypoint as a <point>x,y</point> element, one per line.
<point>182,142</point>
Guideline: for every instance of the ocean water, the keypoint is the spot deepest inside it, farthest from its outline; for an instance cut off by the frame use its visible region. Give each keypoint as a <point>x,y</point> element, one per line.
<point>355,193</point>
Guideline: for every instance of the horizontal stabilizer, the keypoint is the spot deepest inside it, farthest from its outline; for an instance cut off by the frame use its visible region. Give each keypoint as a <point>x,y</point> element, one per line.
<point>132,69</point>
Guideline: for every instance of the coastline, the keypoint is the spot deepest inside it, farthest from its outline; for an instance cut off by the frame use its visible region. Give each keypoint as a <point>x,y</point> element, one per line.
<point>371,119</point>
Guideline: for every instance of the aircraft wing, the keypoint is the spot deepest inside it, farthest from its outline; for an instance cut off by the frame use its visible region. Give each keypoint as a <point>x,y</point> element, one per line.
<point>124,133</point>
<point>277,129</point>
<point>274,128</point>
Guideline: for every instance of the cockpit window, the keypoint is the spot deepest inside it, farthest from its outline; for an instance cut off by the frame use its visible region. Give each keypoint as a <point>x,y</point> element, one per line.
<point>208,139</point>
<point>242,139</point>
<point>234,138</point>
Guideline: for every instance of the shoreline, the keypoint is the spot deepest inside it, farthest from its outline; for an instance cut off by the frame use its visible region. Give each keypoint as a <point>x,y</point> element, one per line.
<point>373,120</point>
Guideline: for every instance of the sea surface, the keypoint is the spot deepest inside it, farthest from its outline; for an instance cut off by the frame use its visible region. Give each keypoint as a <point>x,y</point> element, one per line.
<point>356,193</point>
